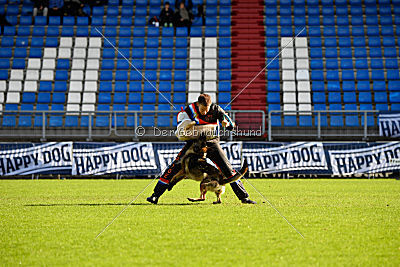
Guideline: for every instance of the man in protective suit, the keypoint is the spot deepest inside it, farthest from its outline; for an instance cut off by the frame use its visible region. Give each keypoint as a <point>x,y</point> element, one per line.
<point>204,113</point>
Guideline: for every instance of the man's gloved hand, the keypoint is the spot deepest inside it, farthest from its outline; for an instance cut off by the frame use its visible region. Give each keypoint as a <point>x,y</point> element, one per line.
<point>225,123</point>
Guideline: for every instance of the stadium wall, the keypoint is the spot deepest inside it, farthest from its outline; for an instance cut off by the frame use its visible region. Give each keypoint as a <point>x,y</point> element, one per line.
<point>146,159</point>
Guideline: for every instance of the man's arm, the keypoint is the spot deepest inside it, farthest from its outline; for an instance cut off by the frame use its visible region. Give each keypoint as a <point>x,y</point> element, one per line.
<point>225,120</point>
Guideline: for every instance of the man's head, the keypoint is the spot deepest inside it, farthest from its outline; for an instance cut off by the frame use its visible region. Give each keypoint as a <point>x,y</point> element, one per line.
<point>166,5</point>
<point>182,5</point>
<point>204,102</point>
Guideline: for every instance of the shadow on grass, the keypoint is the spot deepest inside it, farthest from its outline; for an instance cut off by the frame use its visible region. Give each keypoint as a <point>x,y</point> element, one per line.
<point>107,204</point>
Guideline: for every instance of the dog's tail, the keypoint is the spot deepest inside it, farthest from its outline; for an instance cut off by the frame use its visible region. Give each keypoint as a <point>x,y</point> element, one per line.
<point>238,175</point>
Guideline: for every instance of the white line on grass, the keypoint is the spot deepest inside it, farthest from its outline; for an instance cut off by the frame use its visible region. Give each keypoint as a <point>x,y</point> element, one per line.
<point>130,63</point>
<point>255,77</point>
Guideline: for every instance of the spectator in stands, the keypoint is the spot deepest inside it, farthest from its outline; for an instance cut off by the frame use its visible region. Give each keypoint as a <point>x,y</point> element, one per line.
<point>167,15</point>
<point>74,8</point>
<point>40,7</point>
<point>182,16</point>
<point>56,8</point>
<point>3,22</point>
<point>201,14</point>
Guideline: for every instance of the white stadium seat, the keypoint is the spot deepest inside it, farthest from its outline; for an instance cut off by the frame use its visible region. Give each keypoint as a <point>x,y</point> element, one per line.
<point>78,64</point>
<point>81,42</point>
<point>302,75</point>
<point>75,86</point>
<point>302,63</point>
<point>15,86</point>
<point>210,53</point>
<point>210,86</point>
<point>90,86</point>
<point>17,75</point>
<point>48,64</point>
<point>210,64</point>
<point>34,63</point>
<point>50,52</point>
<point>196,42</point>
<point>289,98</point>
<point>73,107</point>
<point>30,86</point>
<point>210,75</point>
<point>79,53</point>
<point>32,75</point>
<point>194,87</point>
<point>286,41</point>
<point>288,64</point>
<point>47,75</point>
<point>289,86</point>
<point>304,98</point>
<point>195,53</point>
<point>89,98</point>
<point>66,42</point>
<point>74,98</point>
<point>3,86</point>
<point>13,97</point>
<point>303,86</point>
<point>301,53</point>
<point>287,53</point>
<point>195,64</point>
<point>288,75</point>
<point>211,42</point>
<point>290,107</point>
<point>88,107</point>
<point>95,42</point>
<point>64,53</point>
<point>76,75</point>
<point>301,42</point>
<point>94,53</point>
<point>92,64</point>
<point>91,75</point>
<point>192,97</point>
<point>195,75</point>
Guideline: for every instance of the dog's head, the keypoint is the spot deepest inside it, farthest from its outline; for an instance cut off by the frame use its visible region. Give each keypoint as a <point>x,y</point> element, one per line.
<point>200,145</point>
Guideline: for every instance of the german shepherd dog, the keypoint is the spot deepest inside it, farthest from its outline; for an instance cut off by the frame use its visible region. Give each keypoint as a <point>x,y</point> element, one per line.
<point>195,167</point>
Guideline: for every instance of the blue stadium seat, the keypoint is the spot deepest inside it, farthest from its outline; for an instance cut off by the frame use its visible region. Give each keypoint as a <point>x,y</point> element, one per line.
<point>332,63</point>
<point>380,97</point>
<point>134,98</point>
<point>378,75</point>
<point>180,86</point>
<point>58,98</point>
<point>179,98</point>
<point>60,86</point>
<point>106,75</point>
<point>120,86</point>
<point>44,97</point>
<point>379,86</point>
<point>316,64</point>
<point>61,75</point>
<point>180,75</point>
<point>119,97</point>
<point>104,98</point>
<point>273,97</point>
<point>394,85</point>
<point>319,97</point>
<point>365,97</point>
<point>362,75</point>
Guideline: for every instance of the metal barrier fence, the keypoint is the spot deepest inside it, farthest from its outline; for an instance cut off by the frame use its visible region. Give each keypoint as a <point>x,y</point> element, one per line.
<point>352,124</point>
<point>116,125</point>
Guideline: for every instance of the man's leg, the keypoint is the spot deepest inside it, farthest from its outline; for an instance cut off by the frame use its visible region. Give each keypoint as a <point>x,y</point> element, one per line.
<point>217,155</point>
<point>165,178</point>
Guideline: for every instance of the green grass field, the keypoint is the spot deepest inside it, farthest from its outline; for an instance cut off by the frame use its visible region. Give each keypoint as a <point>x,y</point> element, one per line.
<point>345,222</point>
